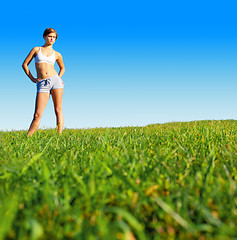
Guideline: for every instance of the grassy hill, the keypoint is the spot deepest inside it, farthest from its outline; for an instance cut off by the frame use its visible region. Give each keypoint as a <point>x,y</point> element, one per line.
<point>165,181</point>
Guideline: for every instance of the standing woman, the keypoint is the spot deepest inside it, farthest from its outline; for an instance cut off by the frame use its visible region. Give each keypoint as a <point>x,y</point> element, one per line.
<point>48,81</point>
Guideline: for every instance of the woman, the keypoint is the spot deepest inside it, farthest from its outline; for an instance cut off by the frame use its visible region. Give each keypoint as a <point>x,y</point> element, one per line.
<point>48,81</point>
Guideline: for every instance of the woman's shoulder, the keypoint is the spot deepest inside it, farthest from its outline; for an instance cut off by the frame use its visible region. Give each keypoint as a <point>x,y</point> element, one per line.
<point>35,50</point>
<point>57,55</point>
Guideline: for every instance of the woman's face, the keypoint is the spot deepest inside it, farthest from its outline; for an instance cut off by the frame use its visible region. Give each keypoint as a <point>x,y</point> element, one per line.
<point>50,38</point>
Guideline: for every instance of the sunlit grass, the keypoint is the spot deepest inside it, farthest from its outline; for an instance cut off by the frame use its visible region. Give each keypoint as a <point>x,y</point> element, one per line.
<point>168,181</point>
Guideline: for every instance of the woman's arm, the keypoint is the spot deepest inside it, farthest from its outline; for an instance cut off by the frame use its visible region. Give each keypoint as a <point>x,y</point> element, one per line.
<point>60,64</point>
<point>27,62</point>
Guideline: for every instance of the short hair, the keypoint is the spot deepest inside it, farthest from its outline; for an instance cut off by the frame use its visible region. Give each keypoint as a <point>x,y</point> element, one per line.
<point>48,31</point>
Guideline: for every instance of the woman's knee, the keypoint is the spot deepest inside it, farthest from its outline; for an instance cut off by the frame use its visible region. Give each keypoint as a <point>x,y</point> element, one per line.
<point>58,111</point>
<point>37,116</point>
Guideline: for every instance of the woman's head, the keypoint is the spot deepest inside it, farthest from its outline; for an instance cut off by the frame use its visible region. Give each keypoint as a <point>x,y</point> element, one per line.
<point>48,31</point>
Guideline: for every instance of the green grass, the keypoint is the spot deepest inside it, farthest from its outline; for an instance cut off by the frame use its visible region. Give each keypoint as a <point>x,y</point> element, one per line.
<point>168,181</point>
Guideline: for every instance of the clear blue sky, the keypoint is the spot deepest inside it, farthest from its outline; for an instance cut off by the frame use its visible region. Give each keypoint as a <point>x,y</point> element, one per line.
<point>128,63</point>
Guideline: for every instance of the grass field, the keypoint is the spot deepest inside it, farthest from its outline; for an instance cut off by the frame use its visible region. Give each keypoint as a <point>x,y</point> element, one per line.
<point>168,181</point>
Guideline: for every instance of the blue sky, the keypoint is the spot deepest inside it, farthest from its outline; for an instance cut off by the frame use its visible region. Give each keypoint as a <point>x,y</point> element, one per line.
<point>128,63</point>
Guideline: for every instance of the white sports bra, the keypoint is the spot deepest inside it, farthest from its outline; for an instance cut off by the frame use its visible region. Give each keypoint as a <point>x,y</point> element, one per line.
<point>42,58</point>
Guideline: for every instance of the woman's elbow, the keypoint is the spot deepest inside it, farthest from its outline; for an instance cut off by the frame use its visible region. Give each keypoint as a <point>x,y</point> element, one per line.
<point>24,66</point>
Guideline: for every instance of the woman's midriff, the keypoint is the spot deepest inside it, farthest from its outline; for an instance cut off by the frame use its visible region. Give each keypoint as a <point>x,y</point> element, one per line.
<point>45,70</point>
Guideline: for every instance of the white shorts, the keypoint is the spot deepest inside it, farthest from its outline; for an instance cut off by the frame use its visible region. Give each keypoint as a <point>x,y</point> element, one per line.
<point>48,84</point>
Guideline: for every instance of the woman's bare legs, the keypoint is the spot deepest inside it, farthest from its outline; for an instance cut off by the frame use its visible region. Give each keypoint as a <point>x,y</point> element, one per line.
<point>57,95</point>
<point>40,104</point>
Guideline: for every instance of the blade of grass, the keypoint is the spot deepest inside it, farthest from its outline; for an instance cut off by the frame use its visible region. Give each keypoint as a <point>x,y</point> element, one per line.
<point>133,222</point>
<point>8,211</point>
<point>158,200</point>
<point>31,162</point>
